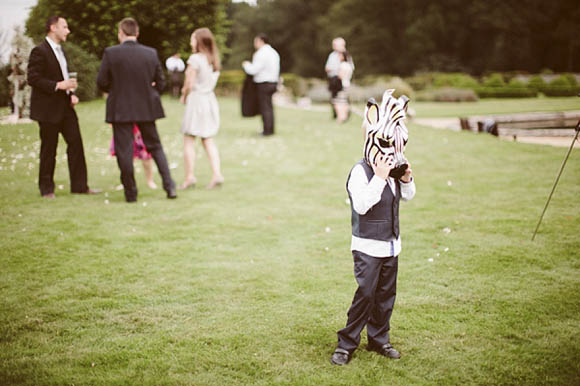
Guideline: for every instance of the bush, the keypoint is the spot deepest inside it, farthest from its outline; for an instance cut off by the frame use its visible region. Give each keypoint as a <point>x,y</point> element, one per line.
<point>454,80</point>
<point>86,66</point>
<point>494,80</point>
<point>562,86</point>
<point>294,83</point>
<point>447,94</point>
<point>421,81</point>
<point>230,83</point>
<point>4,85</point>
<point>505,92</point>
<point>537,83</point>
<point>363,93</point>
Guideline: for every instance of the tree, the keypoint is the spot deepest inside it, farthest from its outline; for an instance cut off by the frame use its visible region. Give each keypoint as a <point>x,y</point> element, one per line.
<point>164,25</point>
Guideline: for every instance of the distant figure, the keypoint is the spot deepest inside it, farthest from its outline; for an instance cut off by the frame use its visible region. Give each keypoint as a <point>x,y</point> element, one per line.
<point>202,116</point>
<point>52,105</point>
<point>332,67</point>
<point>265,68</point>
<point>132,75</point>
<point>340,102</point>
<point>175,66</point>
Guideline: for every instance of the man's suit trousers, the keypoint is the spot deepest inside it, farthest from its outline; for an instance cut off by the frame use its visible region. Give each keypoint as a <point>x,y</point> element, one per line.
<point>77,166</point>
<point>123,138</point>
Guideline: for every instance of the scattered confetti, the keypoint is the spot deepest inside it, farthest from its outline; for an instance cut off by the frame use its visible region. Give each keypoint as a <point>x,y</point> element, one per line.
<point>430,259</point>
<point>446,230</point>
<point>106,202</point>
<point>61,187</point>
<point>446,249</point>
<point>449,183</point>
<point>327,229</point>
<point>326,249</point>
<point>144,204</point>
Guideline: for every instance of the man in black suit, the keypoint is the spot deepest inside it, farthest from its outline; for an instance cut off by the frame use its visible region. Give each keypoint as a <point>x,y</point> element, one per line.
<point>133,77</point>
<point>52,105</point>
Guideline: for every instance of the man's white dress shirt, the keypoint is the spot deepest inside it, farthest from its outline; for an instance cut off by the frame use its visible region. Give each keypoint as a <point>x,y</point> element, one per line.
<point>265,65</point>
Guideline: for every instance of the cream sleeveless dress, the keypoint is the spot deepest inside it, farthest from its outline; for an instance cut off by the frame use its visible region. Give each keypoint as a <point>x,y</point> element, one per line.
<point>202,117</point>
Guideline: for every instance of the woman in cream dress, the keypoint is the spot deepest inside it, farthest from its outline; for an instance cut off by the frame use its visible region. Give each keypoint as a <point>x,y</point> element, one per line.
<point>201,118</point>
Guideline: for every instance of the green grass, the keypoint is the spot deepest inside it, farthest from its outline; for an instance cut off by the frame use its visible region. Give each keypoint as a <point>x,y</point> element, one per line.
<point>249,284</point>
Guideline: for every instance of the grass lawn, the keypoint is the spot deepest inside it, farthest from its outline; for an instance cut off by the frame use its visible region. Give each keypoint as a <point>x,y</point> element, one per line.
<point>248,284</point>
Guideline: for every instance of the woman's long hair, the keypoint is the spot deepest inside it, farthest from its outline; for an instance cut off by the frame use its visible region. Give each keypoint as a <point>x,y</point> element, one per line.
<point>206,45</point>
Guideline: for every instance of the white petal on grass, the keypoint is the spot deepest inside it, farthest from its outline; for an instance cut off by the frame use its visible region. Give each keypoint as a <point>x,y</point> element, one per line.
<point>449,183</point>
<point>106,202</point>
<point>446,230</point>
<point>327,229</point>
<point>430,259</point>
<point>173,165</point>
<point>145,204</point>
<point>446,249</point>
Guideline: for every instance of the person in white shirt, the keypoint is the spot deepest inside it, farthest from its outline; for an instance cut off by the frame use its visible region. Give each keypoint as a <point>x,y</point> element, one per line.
<point>265,68</point>
<point>175,66</point>
<point>375,186</point>
<point>332,68</point>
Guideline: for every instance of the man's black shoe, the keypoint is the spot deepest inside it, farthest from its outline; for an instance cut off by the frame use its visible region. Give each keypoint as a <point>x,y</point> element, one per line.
<point>385,350</point>
<point>340,357</point>
<point>172,193</point>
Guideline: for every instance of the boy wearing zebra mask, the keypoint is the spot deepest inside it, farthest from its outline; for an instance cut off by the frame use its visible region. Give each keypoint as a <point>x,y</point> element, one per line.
<point>375,186</point>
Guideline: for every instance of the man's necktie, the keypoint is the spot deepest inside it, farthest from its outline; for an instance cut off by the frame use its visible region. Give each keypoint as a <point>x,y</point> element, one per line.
<point>62,62</point>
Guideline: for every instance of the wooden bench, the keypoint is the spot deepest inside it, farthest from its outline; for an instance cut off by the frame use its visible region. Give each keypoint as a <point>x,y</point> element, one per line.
<point>561,123</point>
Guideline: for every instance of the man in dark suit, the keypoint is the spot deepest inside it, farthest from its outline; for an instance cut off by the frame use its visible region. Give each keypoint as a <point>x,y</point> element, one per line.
<point>132,76</point>
<point>52,105</point>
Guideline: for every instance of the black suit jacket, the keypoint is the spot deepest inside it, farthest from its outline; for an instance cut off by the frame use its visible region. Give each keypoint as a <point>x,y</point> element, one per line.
<point>46,104</point>
<point>127,73</point>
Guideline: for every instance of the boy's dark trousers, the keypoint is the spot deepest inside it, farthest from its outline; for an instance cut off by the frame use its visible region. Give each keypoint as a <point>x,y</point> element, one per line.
<point>373,301</point>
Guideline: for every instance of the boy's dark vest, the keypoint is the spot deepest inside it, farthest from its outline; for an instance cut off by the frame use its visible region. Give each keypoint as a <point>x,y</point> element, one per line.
<point>381,222</point>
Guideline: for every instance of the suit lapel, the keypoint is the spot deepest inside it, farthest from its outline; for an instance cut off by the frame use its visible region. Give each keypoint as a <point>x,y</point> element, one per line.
<point>54,64</point>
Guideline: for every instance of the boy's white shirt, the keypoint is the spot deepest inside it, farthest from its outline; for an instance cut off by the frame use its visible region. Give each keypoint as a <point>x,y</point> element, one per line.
<point>365,194</point>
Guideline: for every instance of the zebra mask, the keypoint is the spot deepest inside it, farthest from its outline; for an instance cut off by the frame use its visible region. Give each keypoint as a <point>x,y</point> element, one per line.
<point>386,132</point>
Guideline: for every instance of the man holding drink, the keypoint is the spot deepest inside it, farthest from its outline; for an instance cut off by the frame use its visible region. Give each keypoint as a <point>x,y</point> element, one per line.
<point>52,105</point>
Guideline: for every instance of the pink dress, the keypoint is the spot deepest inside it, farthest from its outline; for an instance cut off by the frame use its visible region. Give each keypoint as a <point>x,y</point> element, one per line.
<point>139,149</point>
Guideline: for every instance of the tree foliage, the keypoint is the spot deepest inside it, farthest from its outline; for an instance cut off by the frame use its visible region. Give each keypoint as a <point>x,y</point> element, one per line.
<point>405,37</point>
<point>164,25</point>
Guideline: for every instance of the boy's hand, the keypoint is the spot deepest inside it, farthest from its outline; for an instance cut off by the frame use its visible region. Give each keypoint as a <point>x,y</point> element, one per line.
<point>383,166</point>
<point>407,176</point>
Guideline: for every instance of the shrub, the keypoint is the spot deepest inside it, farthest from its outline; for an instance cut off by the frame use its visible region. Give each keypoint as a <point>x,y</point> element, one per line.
<point>505,92</point>
<point>319,93</point>
<point>421,81</point>
<point>454,80</point>
<point>494,80</point>
<point>562,86</point>
<point>86,65</point>
<point>363,93</point>
<point>230,83</point>
<point>537,83</point>
<point>295,84</point>
<point>447,94</point>
<point>4,85</point>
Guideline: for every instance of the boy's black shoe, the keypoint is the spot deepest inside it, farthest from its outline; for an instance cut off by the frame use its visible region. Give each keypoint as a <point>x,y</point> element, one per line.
<point>340,357</point>
<point>386,350</point>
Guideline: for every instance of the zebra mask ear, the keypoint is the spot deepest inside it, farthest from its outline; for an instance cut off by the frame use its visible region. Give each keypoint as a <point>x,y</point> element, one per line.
<point>372,112</point>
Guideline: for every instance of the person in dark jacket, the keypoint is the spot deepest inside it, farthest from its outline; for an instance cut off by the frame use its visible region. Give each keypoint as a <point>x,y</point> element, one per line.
<point>132,76</point>
<point>52,105</point>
